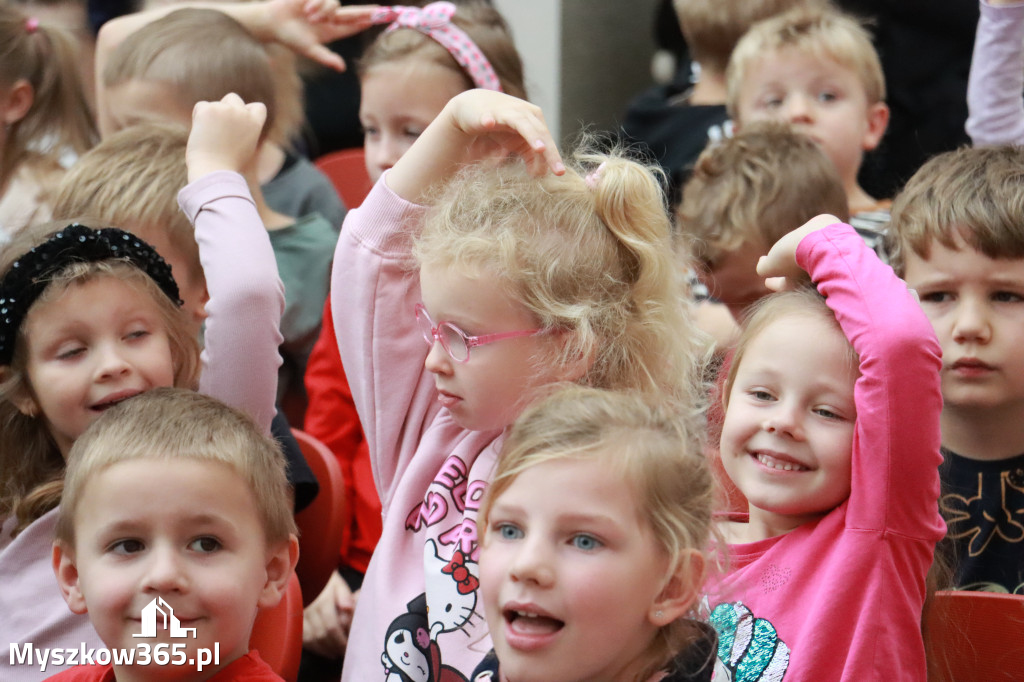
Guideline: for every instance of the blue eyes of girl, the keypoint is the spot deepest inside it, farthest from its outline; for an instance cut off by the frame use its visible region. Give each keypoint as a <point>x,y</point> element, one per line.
<point>582,541</point>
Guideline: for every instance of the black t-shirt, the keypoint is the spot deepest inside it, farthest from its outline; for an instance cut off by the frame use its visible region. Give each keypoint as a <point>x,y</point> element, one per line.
<point>983,504</point>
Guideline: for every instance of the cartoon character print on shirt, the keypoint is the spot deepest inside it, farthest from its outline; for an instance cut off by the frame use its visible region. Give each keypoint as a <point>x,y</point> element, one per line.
<point>994,512</point>
<point>749,648</point>
<point>409,653</point>
<point>451,589</point>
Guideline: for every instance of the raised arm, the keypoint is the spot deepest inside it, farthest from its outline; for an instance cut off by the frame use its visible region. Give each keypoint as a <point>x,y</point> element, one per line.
<point>246,298</point>
<point>995,89</point>
<point>894,480</point>
<point>475,125</point>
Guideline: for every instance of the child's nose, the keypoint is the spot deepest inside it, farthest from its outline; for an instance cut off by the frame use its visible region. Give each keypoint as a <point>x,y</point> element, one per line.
<point>798,109</point>
<point>165,572</point>
<point>438,361</point>
<point>971,323</point>
<point>784,421</point>
<point>533,564</point>
<point>111,362</point>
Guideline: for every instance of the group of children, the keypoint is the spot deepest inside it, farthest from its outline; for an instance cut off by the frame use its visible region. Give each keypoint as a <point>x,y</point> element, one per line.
<point>538,411</point>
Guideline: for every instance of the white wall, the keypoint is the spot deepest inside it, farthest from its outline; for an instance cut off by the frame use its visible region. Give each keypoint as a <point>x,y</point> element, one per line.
<point>584,59</point>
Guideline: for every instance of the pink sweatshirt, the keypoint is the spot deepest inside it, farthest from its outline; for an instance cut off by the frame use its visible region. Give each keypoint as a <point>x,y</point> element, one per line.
<point>430,473</point>
<point>840,598</point>
<point>246,300</point>
<point>995,89</point>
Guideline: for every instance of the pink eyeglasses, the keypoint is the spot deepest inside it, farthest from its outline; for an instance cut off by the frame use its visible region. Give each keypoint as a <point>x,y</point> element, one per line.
<point>455,341</point>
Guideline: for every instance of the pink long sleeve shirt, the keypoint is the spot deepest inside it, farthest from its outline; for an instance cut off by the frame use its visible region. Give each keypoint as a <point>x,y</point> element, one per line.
<point>841,598</point>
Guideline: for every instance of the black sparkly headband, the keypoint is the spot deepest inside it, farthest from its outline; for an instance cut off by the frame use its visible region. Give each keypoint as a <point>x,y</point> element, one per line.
<point>30,274</point>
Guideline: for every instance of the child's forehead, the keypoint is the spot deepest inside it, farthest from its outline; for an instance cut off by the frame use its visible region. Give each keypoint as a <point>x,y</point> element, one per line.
<point>810,61</point>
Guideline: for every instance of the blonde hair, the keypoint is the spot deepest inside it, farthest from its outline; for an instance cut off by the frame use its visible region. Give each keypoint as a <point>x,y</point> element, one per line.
<point>481,22</point>
<point>203,55</point>
<point>822,34</point>
<point>754,188</point>
<point>589,258</point>
<point>132,178</point>
<point>59,117</point>
<point>31,464</point>
<point>804,301</point>
<point>713,27</point>
<point>973,193</point>
<point>172,424</point>
<point>657,454</point>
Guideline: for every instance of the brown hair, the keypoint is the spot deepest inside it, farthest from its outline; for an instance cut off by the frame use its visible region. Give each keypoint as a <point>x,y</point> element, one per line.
<point>132,178</point>
<point>713,27</point>
<point>823,34</point>
<point>481,22</point>
<point>658,456</point>
<point>754,188</point>
<point>178,424</point>
<point>972,193</point>
<point>31,464</point>
<point>46,58</point>
<point>203,55</point>
<point>592,259</point>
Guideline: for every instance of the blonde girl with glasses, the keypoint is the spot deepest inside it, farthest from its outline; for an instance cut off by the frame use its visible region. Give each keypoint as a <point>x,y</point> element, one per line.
<point>479,270</point>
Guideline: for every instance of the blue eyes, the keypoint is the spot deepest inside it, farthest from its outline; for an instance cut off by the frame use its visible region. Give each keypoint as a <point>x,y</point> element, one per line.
<point>509,532</point>
<point>581,541</point>
<point>585,542</point>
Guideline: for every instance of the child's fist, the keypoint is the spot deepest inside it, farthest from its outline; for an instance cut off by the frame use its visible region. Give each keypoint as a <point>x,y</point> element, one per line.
<point>779,267</point>
<point>225,135</point>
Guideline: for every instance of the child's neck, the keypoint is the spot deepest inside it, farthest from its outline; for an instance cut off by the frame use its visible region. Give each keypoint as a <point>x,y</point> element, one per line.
<point>763,525</point>
<point>859,200</point>
<point>709,90</point>
<point>984,433</point>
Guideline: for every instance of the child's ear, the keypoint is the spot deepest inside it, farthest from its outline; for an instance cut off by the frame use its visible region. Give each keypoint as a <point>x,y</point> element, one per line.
<point>66,570</point>
<point>681,590</point>
<point>575,368</point>
<point>878,121</point>
<point>19,100</point>
<point>280,565</point>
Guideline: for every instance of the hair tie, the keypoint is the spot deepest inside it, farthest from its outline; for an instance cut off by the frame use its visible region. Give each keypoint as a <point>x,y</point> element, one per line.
<point>435,21</point>
<point>32,272</point>
<point>594,176</point>
<point>31,24</point>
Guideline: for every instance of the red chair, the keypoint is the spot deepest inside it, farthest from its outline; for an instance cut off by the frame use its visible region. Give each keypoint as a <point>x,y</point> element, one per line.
<point>277,633</point>
<point>322,524</point>
<point>346,169</point>
<point>975,637</point>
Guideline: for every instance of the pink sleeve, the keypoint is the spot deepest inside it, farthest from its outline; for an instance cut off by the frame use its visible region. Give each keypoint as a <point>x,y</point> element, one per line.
<point>894,480</point>
<point>995,89</point>
<point>240,354</point>
<point>374,288</point>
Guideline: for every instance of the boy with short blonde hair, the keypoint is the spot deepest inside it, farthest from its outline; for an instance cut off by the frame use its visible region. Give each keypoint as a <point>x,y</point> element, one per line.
<point>174,496</point>
<point>957,238</point>
<point>744,195</point>
<point>818,71</point>
<point>678,120</point>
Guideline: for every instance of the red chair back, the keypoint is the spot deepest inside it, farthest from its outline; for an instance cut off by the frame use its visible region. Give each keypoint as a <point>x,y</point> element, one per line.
<point>346,169</point>
<point>277,633</point>
<point>322,524</point>
<point>975,637</point>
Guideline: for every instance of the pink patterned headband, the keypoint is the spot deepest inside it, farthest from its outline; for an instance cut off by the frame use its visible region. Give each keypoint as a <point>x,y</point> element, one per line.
<point>435,21</point>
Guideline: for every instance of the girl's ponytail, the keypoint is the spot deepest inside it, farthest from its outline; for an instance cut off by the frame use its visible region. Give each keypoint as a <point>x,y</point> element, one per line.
<point>629,199</point>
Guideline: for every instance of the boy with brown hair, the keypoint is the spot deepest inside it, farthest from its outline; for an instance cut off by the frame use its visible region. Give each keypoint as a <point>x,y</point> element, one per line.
<point>176,500</point>
<point>678,120</point>
<point>957,238</point>
<point>818,71</point>
<point>744,195</point>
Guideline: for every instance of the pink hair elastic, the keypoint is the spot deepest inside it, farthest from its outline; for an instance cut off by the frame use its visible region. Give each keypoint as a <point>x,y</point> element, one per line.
<point>31,24</point>
<point>435,21</point>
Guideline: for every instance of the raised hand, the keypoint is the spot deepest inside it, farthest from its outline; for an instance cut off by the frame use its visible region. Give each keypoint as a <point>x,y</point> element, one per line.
<point>224,136</point>
<point>779,266</point>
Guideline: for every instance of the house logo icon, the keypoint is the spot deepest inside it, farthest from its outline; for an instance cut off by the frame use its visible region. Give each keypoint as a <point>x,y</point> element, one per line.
<point>170,621</point>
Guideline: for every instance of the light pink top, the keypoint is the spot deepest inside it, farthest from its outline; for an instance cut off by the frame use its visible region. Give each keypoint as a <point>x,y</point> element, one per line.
<point>430,472</point>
